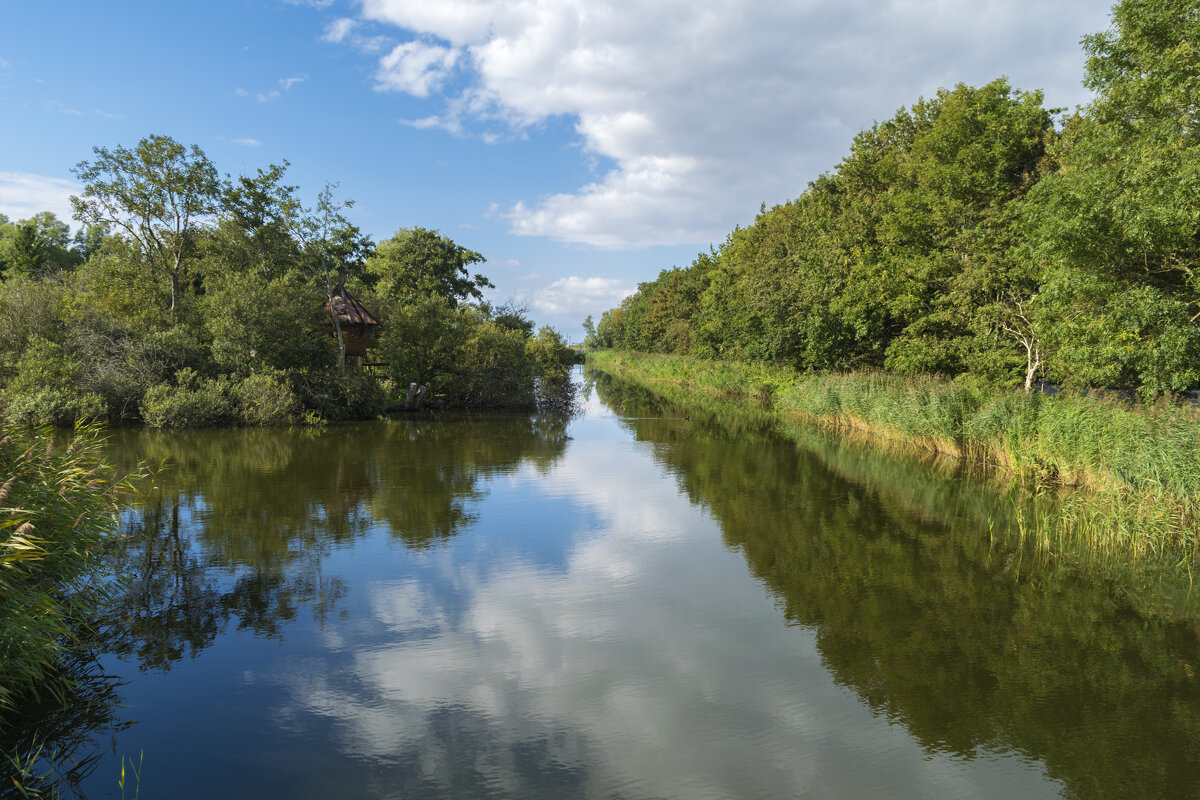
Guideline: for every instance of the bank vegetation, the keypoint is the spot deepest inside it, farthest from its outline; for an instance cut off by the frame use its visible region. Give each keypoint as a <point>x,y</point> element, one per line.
<point>189,299</point>
<point>970,256</point>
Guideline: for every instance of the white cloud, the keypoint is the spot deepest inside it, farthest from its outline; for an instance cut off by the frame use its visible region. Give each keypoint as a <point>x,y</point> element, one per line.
<point>23,194</point>
<point>247,142</point>
<point>241,92</point>
<point>337,30</point>
<point>318,4</point>
<point>576,295</point>
<point>345,30</point>
<point>706,110</point>
<point>284,85</point>
<point>416,68</point>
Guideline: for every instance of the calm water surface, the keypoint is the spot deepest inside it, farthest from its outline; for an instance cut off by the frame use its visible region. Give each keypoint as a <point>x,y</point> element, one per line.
<point>628,604</point>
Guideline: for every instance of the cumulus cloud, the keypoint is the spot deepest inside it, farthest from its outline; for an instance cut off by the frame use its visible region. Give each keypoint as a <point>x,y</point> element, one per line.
<point>23,194</point>
<point>576,295</point>
<point>707,110</point>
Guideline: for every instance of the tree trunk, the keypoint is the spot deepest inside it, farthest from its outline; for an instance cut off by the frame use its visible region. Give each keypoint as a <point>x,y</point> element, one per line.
<point>415,399</point>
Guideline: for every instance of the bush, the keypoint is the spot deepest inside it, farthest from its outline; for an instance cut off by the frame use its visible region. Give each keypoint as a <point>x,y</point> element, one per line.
<point>194,402</point>
<point>552,361</point>
<point>266,399</point>
<point>45,388</point>
<point>492,370</point>
<point>332,398</point>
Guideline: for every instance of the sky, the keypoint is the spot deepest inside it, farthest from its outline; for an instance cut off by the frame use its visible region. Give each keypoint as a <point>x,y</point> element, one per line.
<point>580,145</point>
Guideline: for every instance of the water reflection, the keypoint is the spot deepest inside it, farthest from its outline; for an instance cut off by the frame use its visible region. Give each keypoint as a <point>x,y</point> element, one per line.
<point>239,523</point>
<point>971,644</point>
<point>665,602</point>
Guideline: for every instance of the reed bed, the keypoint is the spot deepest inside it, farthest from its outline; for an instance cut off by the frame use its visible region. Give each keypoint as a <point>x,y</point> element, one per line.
<point>1129,474</point>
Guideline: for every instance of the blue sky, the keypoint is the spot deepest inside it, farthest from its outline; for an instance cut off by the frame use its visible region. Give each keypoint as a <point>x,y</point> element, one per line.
<point>580,145</point>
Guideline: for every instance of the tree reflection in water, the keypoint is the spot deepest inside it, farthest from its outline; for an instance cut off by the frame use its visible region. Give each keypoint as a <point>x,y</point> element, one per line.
<point>972,641</point>
<point>239,522</point>
<point>236,529</point>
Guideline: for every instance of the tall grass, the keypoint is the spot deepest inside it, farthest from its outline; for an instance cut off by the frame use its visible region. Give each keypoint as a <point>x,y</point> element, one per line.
<point>58,501</point>
<point>1134,469</point>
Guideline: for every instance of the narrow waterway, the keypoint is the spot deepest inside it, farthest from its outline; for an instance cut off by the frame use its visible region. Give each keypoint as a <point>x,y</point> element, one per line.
<point>638,602</point>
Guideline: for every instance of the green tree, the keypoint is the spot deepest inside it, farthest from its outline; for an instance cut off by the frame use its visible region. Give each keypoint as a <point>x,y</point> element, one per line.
<point>1115,229</point>
<point>589,332</point>
<point>158,195</point>
<point>38,246</point>
<point>259,215</point>
<point>417,262</point>
<point>333,250</point>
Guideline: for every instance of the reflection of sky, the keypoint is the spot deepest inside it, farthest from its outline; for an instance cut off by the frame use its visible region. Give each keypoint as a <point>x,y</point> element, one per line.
<point>592,636</point>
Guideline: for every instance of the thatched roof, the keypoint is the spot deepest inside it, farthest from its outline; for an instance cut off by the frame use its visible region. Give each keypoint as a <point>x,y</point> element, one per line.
<point>351,312</point>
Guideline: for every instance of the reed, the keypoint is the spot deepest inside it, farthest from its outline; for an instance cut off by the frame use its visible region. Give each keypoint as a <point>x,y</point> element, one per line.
<point>1132,471</point>
<point>58,505</point>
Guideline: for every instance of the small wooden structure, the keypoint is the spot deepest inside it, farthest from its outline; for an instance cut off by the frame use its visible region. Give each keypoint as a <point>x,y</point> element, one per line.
<point>355,320</point>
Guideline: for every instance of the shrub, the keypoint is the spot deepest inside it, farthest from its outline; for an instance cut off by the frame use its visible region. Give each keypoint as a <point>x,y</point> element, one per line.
<point>194,402</point>
<point>355,395</point>
<point>45,390</point>
<point>266,399</point>
<point>492,370</point>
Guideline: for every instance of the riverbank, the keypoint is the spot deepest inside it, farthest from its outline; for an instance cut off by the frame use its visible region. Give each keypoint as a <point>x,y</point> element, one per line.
<point>1129,475</point>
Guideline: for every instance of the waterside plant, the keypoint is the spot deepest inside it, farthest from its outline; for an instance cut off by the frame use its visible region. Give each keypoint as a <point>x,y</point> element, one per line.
<point>58,505</point>
<point>1125,477</point>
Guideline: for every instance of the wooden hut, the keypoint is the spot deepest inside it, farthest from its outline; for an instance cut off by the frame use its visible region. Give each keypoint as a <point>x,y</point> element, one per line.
<point>355,320</point>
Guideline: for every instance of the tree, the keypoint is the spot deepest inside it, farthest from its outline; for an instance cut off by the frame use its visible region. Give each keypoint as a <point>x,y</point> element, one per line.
<point>589,332</point>
<point>158,194</point>
<point>36,247</point>
<point>333,250</point>
<point>259,215</point>
<point>419,262</point>
<point>1121,218</point>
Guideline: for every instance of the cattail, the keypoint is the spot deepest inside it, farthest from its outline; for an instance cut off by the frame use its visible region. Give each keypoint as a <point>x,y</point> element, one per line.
<point>6,488</point>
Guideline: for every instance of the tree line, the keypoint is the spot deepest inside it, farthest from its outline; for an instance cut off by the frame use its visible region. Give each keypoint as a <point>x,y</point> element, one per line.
<point>187,298</point>
<point>977,234</point>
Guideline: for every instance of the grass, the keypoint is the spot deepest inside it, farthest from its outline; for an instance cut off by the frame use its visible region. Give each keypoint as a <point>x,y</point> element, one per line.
<point>1128,475</point>
<point>58,505</point>
<point>57,512</point>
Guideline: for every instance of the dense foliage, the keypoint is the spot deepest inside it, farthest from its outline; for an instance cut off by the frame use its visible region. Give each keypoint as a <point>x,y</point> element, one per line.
<point>968,236</point>
<point>189,300</point>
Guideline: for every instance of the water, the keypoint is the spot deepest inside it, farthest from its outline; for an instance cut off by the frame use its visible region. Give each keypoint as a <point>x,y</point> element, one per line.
<point>629,604</point>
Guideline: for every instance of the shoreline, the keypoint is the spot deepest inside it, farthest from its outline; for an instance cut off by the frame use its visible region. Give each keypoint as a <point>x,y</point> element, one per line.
<point>1128,476</point>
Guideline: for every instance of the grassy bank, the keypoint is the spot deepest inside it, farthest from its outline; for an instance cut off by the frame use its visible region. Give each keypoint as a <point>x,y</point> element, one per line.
<point>1133,471</point>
